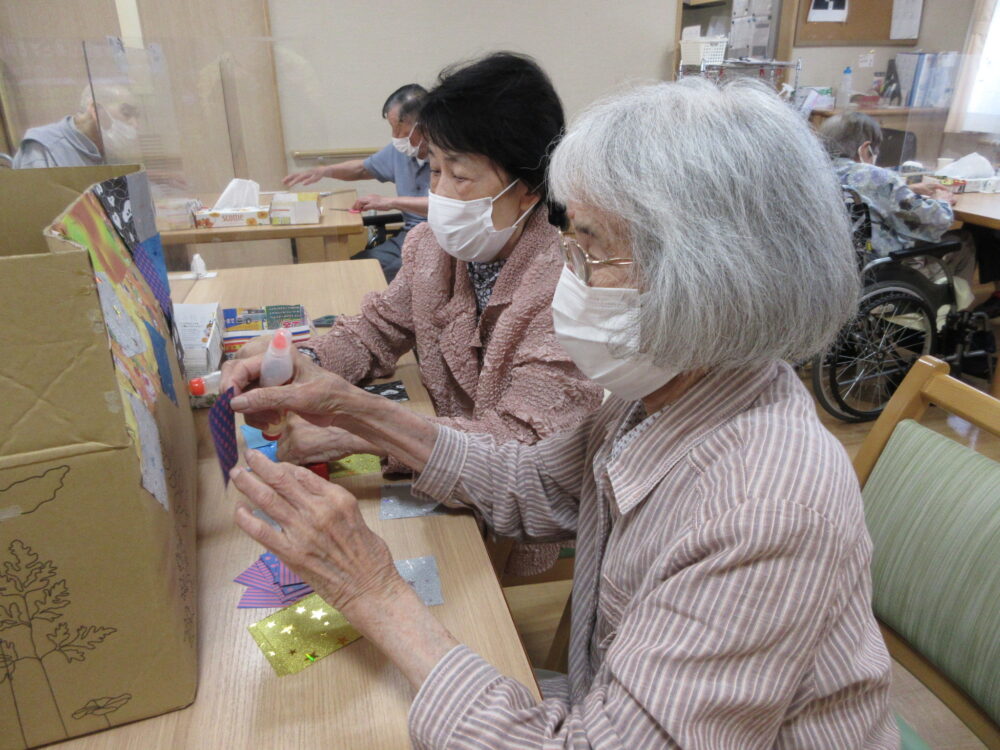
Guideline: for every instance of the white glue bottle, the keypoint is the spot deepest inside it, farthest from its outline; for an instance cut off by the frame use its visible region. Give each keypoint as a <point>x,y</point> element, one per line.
<point>277,369</point>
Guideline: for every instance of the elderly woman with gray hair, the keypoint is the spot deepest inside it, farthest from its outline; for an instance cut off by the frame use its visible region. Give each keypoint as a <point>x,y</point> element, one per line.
<point>722,593</point>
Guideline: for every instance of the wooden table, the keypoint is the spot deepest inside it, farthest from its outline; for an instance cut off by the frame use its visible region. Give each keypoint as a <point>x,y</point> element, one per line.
<point>982,209</point>
<point>338,236</point>
<point>353,698</point>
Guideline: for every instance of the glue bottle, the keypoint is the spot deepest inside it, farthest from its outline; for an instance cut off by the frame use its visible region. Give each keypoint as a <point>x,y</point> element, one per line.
<point>277,369</point>
<point>846,86</point>
<point>208,384</point>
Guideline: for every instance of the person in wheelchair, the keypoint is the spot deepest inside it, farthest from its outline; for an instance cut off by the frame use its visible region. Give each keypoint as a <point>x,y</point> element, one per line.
<point>901,214</point>
<point>403,162</point>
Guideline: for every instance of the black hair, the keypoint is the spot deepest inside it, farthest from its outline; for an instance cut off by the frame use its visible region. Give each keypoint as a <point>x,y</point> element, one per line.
<point>411,92</point>
<point>504,107</point>
<point>844,134</point>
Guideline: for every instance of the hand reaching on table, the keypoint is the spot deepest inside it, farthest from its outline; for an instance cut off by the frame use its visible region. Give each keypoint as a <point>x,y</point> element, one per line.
<point>305,177</point>
<point>323,537</point>
<point>373,203</point>
<point>326,541</point>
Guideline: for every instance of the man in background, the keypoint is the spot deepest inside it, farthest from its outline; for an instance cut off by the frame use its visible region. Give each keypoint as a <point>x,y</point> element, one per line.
<point>402,162</point>
<point>101,132</point>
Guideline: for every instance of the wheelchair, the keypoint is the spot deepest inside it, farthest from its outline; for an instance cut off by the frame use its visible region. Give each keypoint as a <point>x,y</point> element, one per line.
<point>381,226</point>
<point>902,316</point>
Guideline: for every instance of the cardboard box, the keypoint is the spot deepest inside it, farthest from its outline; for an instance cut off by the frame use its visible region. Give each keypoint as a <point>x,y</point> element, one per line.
<point>251,216</point>
<point>97,464</point>
<point>295,208</point>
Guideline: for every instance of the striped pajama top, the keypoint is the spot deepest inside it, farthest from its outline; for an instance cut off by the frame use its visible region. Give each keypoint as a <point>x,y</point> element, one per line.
<point>722,593</point>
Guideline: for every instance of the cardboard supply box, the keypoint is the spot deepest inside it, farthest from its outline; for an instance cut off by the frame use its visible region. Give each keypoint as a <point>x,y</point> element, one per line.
<point>295,208</point>
<point>98,464</point>
<point>251,216</point>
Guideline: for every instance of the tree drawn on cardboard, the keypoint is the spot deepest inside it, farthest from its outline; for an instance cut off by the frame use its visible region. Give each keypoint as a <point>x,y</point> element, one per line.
<point>32,600</point>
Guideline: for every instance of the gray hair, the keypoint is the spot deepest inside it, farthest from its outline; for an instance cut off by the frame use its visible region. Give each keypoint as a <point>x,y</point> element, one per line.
<point>734,216</point>
<point>844,134</point>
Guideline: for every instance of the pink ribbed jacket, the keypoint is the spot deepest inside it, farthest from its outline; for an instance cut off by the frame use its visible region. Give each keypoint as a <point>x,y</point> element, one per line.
<point>505,374</point>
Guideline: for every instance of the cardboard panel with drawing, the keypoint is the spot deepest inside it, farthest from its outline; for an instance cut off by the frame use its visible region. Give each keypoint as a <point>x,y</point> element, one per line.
<point>97,462</point>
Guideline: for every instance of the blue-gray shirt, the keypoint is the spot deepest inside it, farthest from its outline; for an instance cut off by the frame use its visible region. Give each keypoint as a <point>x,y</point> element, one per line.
<point>412,178</point>
<point>59,144</point>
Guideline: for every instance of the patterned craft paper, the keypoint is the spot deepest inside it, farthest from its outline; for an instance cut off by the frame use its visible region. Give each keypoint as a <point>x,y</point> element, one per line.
<point>270,583</point>
<point>222,423</point>
<point>301,634</point>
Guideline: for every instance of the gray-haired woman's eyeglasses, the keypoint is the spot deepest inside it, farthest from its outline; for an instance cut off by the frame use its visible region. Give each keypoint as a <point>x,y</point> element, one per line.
<point>580,261</point>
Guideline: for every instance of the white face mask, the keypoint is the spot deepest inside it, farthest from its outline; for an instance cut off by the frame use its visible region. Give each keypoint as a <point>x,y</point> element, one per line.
<point>465,230</point>
<point>587,320</point>
<point>121,142</point>
<point>404,146</point>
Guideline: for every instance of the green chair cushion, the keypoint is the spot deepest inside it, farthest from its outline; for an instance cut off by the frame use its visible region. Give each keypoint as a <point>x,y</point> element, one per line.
<point>933,510</point>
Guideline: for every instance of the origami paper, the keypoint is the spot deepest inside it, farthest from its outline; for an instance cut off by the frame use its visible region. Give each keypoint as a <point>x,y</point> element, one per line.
<point>222,423</point>
<point>154,477</point>
<point>254,438</point>
<point>114,197</point>
<point>398,501</point>
<point>422,575</point>
<point>358,463</point>
<point>148,258</point>
<point>394,391</point>
<point>301,634</point>
<point>143,217</point>
<point>159,345</point>
<point>263,580</point>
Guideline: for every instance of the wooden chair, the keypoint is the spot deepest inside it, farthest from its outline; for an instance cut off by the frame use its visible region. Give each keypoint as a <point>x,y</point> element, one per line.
<point>933,510</point>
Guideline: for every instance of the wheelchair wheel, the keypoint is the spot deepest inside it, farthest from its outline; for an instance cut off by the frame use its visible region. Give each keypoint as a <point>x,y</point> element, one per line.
<point>821,389</point>
<point>894,327</point>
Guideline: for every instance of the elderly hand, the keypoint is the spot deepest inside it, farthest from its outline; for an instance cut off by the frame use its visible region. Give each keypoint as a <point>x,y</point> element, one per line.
<point>253,348</point>
<point>313,392</point>
<point>323,537</point>
<point>304,443</point>
<point>305,177</point>
<point>373,203</point>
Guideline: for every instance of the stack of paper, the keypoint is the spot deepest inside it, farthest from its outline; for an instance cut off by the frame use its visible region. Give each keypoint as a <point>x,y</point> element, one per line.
<point>241,324</point>
<point>295,208</point>
<point>200,331</point>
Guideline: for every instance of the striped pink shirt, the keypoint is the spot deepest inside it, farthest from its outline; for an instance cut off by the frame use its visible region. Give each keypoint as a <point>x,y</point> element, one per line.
<point>722,595</point>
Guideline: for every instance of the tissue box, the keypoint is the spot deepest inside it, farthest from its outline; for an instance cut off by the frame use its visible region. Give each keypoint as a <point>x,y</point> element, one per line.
<point>295,208</point>
<point>176,213</point>
<point>231,217</point>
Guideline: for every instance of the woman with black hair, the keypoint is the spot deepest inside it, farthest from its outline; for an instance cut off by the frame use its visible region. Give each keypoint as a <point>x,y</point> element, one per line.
<point>472,297</point>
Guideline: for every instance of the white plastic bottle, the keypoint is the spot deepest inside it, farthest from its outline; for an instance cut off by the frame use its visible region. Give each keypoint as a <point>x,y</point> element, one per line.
<point>846,87</point>
<point>277,369</point>
<point>208,384</point>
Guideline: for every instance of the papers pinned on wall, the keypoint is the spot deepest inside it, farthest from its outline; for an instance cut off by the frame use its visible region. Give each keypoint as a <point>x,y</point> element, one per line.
<point>906,19</point>
<point>827,11</point>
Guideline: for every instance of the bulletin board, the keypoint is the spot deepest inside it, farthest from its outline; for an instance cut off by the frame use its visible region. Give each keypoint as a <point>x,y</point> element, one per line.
<point>868,23</point>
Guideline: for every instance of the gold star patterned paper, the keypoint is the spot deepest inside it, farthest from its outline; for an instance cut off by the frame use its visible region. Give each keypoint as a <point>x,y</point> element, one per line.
<point>357,463</point>
<point>302,633</point>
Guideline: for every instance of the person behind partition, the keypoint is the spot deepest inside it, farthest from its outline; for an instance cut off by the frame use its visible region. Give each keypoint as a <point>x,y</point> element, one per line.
<point>105,132</point>
<point>402,162</point>
<point>722,593</point>
<point>472,297</point>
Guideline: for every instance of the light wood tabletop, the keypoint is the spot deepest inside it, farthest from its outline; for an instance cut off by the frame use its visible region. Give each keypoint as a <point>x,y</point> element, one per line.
<point>353,698</point>
<point>335,221</point>
<point>982,209</point>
